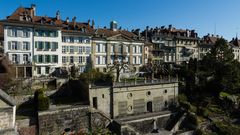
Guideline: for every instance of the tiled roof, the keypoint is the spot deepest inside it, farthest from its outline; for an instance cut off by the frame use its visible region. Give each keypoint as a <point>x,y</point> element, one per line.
<point>111,33</point>
<point>1,32</point>
<point>20,15</point>
<point>210,39</point>
<point>235,42</point>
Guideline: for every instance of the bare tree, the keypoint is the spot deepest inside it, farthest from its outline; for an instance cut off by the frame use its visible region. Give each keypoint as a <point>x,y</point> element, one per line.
<point>118,66</point>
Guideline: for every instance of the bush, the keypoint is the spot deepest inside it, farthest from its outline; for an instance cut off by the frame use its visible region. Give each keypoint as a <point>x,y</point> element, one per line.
<point>203,112</point>
<point>41,100</point>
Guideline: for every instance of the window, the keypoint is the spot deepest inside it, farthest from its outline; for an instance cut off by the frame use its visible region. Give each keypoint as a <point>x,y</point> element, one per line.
<point>40,58</point>
<point>134,60</point>
<point>26,33</point>
<point>47,70</point>
<point>112,48</point>
<point>54,45</point>
<point>81,59</point>
<point>88,50</point>
<point>14,58</point>
<point>120,49</point>
<point>104,60</point>
<point>26,46</point>
<point>127,49</point>
<point>98,60</point>
<point>134,49</point>
<point>47,58</point>
<point>81,69</point>
<point>14,45</point>
<point>64,49</point>
<point>39,45</point>
<point>14,32</point>
<point>71,49</point>
<point>64,39</point>
<point>55,58</point>
<point>47,46</point>
<point>97,47</point>
<point>71,39</point>
<point>64,59</point>
<point>165,91</point>
<point>38,70</point>
<point>71,59</point>
<point>25,58</point>
<point>80,49</point>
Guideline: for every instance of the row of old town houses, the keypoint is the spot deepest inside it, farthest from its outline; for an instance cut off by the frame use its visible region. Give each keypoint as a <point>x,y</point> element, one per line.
<point>37,45</point>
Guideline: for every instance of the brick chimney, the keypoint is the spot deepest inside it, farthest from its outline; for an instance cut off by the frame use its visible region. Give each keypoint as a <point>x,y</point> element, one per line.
<point>33,10</point>
<point>58,15</point>
<point>146,33</point>
<point>93,24</point>
<point>67,19</point>
<point>74,21</point>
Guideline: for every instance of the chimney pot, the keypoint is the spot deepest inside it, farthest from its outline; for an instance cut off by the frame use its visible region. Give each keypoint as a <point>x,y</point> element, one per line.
<point>93,24</point>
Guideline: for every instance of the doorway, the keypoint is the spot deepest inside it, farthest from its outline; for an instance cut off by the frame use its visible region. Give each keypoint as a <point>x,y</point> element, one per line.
<point>149,106</point>
<point>95,103</point>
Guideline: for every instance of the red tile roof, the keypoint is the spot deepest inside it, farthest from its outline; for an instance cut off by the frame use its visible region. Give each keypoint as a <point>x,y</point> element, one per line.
<point>21,13</point>
<point>110,33</point>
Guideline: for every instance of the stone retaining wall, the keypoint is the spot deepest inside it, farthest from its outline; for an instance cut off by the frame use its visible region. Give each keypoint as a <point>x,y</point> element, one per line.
<point>54,122</point>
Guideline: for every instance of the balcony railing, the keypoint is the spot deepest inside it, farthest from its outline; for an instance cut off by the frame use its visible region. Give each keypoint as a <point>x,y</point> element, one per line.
<point>145,82</point>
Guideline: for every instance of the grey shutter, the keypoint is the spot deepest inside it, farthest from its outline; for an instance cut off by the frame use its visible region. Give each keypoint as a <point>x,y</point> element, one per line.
<point>19,47</point>
<point>9,45</point>
<point>18,58</point>
<point>9,32</point>
<point>76,59</point>
<point>75,49</point>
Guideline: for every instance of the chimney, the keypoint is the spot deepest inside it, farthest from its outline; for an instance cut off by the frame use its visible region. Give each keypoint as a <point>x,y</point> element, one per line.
<point>74,21</point>
<point>67,19</point>
<point>33,10</point>
<point>58,15</point>
<point>89,22</point>
<point>93,24</point>
<point>146,33</point>
<point>170,27</point>
<point>113,25</point>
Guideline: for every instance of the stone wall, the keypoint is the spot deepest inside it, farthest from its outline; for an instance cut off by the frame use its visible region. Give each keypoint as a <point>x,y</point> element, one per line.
<point>146,125</point>
<point>27,126</point>
<point>54,122</point>
<point>6,118</point>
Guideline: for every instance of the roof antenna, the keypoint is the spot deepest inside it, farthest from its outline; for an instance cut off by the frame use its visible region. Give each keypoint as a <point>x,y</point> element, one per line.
<point>237,32</point>
<point>215,28</point>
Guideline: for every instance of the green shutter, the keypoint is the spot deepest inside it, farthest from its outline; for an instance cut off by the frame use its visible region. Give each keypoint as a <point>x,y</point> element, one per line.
<point>9,45</point>
<point>36,44</point>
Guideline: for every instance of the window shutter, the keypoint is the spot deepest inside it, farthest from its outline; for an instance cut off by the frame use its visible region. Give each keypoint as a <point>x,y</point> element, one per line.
<point>36,44</point>
<point>83,59</point>
<point>76,59</point>
<point>9,45</point>
<point>18,58</point>
<point>76,49</point>
<point>56,45</point>
<point>19,45</point>
<point>56,58</point>
<point>50,57</point>
<point>9,32</point>
<point>67,58</point>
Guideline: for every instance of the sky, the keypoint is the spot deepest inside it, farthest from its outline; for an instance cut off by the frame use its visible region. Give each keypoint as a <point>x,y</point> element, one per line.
<point>220,17</point>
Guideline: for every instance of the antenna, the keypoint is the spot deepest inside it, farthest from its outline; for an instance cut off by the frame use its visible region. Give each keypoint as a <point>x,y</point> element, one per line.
<point>237,32</point>
<point>215,28</point>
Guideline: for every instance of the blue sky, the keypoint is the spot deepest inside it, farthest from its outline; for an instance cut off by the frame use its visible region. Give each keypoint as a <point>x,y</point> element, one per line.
<point>202,15</point>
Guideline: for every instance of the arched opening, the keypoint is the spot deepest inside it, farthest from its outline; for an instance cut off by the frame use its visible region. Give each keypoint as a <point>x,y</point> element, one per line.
<point>149,106</point>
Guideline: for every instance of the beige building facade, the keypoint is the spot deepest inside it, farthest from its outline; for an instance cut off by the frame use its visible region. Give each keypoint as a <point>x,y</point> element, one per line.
<point>120,101</point>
